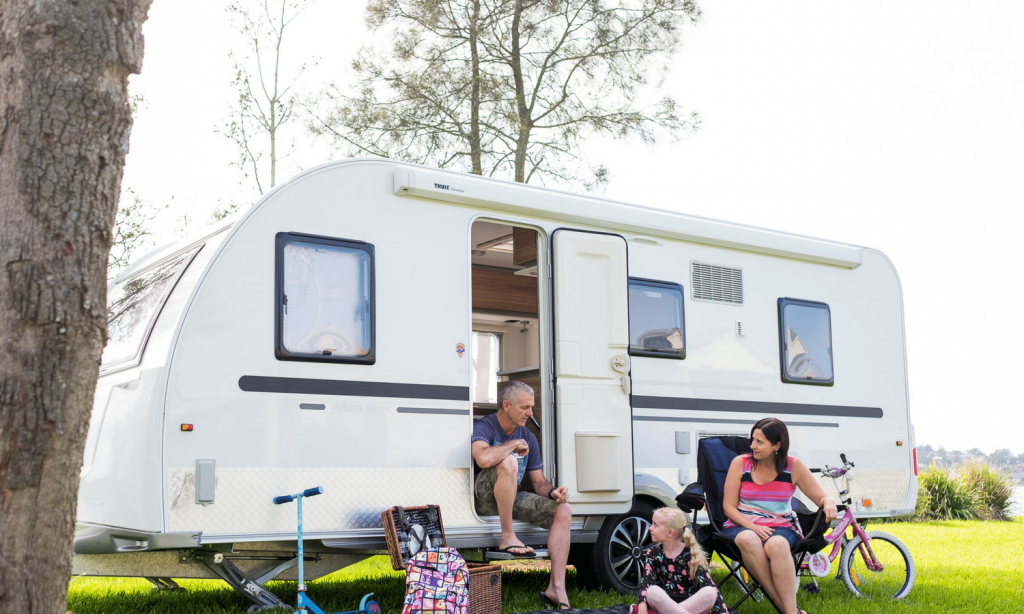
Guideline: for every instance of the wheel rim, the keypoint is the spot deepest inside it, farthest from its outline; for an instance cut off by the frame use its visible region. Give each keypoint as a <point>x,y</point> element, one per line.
<point>886,583</point>
<point>625,554</point>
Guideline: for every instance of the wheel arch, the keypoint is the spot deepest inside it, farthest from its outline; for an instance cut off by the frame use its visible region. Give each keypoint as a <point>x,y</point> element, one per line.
<point>653,490</point>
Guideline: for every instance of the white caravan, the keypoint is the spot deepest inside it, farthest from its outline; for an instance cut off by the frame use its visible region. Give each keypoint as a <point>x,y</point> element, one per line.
<point>349,327</point>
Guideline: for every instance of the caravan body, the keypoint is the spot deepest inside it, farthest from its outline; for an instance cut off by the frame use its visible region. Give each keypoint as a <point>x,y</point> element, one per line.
<point>348,328</point>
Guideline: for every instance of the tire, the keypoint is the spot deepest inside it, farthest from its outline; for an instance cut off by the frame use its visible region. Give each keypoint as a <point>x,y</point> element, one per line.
<point>896,579</point>
<point>618,552</point>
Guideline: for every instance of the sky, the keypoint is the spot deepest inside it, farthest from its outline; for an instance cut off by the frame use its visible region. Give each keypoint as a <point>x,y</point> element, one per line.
<point>891,125</point>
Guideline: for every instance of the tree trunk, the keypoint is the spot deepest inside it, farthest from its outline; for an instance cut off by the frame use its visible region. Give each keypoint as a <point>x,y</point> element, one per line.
<point>64,126</point>
<point>475,155</point>
<point>523,140</point>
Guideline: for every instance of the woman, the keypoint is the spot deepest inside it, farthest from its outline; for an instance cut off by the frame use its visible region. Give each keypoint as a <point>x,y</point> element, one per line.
<point>761,521</point>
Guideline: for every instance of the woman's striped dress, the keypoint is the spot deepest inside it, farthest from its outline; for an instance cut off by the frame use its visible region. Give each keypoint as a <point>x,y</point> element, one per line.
<point>769,505</point>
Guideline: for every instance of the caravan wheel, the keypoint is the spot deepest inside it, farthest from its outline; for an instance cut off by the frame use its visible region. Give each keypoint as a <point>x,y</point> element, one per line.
<point>618,553</point>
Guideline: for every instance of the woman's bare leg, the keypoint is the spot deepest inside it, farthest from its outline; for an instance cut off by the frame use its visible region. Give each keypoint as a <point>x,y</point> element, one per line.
<point>783,573</point>
<point>756,562</point>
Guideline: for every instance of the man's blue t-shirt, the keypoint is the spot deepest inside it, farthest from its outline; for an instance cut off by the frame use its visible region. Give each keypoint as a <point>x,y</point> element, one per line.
<point>489,431</point>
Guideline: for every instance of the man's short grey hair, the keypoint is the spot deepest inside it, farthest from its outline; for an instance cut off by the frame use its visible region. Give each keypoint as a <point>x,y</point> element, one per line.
<point>512,392</point>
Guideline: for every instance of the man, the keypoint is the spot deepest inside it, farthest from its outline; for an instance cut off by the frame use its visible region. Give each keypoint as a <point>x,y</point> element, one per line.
<point>506,452</point>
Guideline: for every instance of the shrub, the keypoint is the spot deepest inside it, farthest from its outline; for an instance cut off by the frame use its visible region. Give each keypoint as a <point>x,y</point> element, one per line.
<point>994,487</point>
<point>943,496</point>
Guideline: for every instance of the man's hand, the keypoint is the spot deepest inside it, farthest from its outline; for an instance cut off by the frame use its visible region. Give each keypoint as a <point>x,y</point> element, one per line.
<point>519,446</point>
<point>560,495</point>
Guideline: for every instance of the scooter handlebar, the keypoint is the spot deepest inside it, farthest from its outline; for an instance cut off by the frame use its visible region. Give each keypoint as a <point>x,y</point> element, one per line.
<point>309,492</point>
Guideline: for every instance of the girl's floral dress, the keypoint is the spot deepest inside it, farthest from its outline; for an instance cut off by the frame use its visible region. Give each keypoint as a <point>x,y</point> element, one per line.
<point>673,575</point>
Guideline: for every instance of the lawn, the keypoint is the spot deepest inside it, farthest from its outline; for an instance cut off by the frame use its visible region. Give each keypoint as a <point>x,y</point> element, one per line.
<point>962,566</point>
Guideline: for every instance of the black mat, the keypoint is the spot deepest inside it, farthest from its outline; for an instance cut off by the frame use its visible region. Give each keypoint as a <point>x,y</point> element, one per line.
<point>615,609</point>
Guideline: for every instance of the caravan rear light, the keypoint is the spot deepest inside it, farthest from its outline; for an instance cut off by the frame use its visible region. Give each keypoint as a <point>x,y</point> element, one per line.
<point>915,462</point>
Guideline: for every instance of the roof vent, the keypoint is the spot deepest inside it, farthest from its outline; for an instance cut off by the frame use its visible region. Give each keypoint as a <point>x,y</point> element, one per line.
<point>711,282</point>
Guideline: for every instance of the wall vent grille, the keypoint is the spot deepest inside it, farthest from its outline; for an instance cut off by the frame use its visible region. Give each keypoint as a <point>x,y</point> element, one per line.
<point>711,282</point>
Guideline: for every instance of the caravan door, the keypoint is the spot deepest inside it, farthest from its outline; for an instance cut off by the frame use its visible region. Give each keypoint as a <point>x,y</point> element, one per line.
<point>593,418</point>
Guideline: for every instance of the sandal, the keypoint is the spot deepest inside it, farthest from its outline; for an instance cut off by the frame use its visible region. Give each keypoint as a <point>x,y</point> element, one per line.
<point>551,603</point>
<point>529,554</point>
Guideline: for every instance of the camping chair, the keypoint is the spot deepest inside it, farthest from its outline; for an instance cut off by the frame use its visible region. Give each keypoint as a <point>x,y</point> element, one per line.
<point>714,455</point>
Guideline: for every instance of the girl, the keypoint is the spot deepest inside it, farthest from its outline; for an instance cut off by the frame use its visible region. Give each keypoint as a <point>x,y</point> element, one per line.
<point>676,578</point>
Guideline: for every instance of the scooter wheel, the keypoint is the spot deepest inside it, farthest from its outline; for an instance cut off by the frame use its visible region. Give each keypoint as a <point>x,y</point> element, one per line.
<point>372,607</point>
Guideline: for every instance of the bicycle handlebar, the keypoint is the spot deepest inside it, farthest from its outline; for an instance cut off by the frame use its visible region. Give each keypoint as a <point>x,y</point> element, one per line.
<point>834,472</point>
<point>309,492</point>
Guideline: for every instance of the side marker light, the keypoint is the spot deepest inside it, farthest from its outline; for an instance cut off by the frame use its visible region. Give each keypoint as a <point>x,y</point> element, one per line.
<point>186,427</point>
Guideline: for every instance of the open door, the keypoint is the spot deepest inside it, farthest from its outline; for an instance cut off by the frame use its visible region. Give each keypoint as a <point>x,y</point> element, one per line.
<point>594,420</point>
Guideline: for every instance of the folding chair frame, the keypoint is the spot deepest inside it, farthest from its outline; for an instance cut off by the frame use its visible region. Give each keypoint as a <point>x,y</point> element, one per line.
<point>708,492</point>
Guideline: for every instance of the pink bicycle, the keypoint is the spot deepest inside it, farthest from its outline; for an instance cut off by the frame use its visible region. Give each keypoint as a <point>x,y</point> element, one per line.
<point>872,564</point>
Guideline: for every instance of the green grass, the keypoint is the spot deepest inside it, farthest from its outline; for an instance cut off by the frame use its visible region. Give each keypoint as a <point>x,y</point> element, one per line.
<point>962,566</point>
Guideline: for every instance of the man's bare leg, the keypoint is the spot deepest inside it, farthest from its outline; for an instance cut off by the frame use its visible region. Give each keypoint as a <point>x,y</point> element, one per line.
<point>505,488</point>
<point>558,550</point>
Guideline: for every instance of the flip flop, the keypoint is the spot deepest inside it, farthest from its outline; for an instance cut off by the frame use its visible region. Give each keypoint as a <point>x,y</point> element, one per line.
<point>551,603</point>
<point>519,555</point>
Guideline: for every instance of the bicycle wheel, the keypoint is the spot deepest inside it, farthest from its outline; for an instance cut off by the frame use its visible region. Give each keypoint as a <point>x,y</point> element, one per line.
<point>895,577</point>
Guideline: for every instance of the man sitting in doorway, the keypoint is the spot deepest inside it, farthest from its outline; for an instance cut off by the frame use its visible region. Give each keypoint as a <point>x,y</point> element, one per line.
<point>506,451</point>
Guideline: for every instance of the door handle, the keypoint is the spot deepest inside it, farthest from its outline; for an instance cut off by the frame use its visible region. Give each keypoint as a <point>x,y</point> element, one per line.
<point>621,363</point>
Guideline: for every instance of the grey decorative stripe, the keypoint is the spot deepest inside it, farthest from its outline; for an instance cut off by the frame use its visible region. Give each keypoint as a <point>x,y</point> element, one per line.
<point>757,407</point>
<point>312,406</point>
<point>833,425</point>
<point>297,385</point>
<point>429,410</point>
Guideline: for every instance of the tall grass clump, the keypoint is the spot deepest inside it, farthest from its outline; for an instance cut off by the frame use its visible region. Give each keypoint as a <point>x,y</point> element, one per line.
<point>993,486</point>
<point>942,495</point>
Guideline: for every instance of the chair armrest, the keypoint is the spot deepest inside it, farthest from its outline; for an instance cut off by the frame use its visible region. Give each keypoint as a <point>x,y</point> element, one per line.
<point>692,499</point>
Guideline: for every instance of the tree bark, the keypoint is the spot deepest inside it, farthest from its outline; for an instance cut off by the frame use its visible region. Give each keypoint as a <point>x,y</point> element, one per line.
<point>64,127</point>
<point>475,155</point>
<point>523,138</point>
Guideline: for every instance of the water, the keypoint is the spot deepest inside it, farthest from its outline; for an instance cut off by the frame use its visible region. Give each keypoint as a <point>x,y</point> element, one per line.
<point>1017,497</point>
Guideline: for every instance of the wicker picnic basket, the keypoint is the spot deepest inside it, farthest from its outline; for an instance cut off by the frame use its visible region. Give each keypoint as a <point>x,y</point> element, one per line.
<point>484,579</point>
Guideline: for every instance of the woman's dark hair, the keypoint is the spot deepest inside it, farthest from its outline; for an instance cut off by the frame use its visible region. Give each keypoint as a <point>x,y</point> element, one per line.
<point>775,431</point>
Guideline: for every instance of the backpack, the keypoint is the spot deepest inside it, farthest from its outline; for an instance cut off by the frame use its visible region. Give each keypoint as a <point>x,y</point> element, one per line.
<point>437,582</point>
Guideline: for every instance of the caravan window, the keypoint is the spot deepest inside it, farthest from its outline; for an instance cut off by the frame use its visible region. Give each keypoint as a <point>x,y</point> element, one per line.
<point>805,330</point>
<point>132,308</point>
<point>656,319</point>
<point>325,291</point>
<point>486,364</point>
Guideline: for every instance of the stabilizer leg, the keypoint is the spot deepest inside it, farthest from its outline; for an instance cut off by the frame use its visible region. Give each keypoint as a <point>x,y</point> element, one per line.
<point>261,597</point>
<point>163,584</point>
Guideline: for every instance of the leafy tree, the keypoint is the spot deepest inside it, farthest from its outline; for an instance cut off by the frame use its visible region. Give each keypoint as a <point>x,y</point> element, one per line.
<point>1002,457</point>
<point>63,139</point>
<point>131,230</point>
<point>508,87</point>
<point>263,105</point>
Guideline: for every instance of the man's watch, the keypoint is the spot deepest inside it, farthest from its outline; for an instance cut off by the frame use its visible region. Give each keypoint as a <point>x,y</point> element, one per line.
<point>549,493</point>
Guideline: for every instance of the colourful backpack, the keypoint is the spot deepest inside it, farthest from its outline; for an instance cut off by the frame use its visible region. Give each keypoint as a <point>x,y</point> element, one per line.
<point>436,583</point>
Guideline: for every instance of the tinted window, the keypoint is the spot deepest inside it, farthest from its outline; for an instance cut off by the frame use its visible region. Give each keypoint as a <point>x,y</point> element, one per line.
<point>656,319</point>
<point>806,342</point>
<point>325,299</point>
<point>132,307</point>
